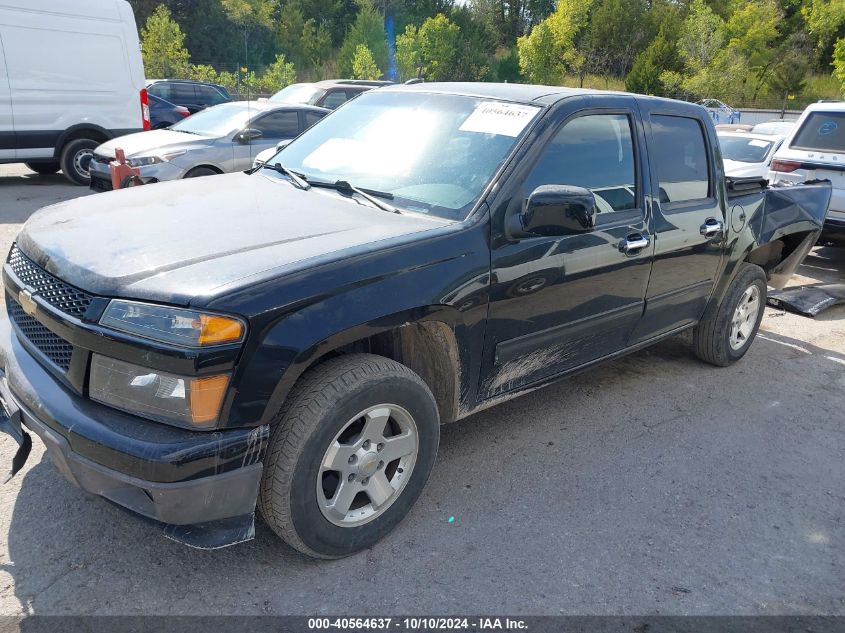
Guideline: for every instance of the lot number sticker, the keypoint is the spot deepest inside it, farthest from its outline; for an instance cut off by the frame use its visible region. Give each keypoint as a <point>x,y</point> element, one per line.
<point>494,117</point>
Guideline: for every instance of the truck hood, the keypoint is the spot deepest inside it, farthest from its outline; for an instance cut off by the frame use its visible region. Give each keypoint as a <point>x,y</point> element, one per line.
<point>152,142</point>
<point>177,242</point>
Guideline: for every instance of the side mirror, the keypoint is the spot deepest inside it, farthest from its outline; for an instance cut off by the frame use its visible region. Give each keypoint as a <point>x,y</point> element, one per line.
<point>555,210</point>
<point>249,134</point>
<point>282,144</point>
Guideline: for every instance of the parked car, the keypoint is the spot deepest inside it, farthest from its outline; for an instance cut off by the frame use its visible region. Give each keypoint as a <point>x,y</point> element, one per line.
<point>777,126</point>
<point>745,154</point>
<point>293,337</point>
<point>218,140</point>
<point>720,111</point>
<point>54,108</point>
<point>330,93</point>
<point>193,95</point>
<point>816,149</point>
<point>164,114</point>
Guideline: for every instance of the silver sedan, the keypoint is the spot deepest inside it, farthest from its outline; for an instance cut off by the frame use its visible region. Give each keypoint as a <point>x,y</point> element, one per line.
<point>222,139</point>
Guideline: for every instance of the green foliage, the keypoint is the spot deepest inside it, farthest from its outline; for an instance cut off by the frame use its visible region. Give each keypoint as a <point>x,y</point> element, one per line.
<point>277,75</point>
<point>162,46</point>
<point>432,49</point>
<point>650,65</point>
<point>304,41</point>
<point>363,64</point>
<point>549,51</point>
<point>824,19</point>
<point>249,14</point>
<point>610,43</point>
<point>839,62</point>
<point>368,29</point>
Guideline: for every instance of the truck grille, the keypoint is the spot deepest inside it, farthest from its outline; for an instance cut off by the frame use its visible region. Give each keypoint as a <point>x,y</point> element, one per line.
<point>57,293</point>
<point>54,347</point>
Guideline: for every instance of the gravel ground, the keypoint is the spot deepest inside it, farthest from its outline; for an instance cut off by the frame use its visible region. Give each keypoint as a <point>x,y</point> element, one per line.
<point>652,485</point>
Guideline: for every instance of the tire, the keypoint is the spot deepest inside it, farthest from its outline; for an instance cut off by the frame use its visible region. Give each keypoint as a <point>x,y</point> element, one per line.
<point>324,410</point>
<point>75,157</point>
<point>45,169</point>
<point>198,172</point>
<point>716,339</point>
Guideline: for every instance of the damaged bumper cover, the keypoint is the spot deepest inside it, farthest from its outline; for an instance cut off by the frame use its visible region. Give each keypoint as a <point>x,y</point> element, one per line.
<point>200,487</point>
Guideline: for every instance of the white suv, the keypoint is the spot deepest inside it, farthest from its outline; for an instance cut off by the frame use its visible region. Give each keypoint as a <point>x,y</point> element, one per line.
<point>815,149</point>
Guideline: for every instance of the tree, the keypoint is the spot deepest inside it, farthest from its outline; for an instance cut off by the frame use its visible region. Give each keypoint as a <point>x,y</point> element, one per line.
<point>363,64</point>
<point>279,74</point>
<point>839,62</point>
<point>824,19</point>
<point>645,76</point>
<point>249,15</point>
<point>548,51</point>
<point>609,43</point>
<point>702,36</point>
<point>368,29</point>
<point>789,76</point>
<point>162,46</point>
<point>433,49</point>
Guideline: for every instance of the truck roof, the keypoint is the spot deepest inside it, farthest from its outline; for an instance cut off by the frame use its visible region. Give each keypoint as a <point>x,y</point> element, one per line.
<point>523,93</point>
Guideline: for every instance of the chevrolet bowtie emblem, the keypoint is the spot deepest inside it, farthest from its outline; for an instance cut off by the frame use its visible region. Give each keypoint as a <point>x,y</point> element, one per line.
<point>27,302</point>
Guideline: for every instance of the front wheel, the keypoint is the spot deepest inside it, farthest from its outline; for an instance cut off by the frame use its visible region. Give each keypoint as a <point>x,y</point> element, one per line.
<point>350,453</point>
<point>727,329</point>
<point>75,158</point>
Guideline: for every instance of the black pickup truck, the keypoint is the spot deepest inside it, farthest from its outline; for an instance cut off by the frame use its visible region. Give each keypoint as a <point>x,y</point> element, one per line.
<point>291,338</point>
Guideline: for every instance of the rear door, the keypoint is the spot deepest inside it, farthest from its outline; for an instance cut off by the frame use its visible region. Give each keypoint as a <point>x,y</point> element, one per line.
<point>689,217</point>
<point>7,124</point>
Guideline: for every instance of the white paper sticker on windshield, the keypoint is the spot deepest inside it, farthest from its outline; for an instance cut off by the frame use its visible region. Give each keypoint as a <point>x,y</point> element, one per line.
<point>756,143</point>
<point>495,117</point>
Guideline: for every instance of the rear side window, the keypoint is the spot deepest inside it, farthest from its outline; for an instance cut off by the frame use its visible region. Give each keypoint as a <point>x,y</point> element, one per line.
<point>822,131</point>
<point>680,156</point>
<point>211,95</point>
<point>162,91</point>
<point>279,125</point>
<point>312,117</point>
<point>334,99</point>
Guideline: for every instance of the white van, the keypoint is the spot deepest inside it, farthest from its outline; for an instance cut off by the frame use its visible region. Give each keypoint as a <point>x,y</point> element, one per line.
<point>816,149</point>
<point>71,77</point>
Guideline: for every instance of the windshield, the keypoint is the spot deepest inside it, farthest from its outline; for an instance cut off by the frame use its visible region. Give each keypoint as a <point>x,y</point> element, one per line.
<point>432,153</point>
<point>744,149</point>
<point>298,93</point>
<point>217,121</point>
<point>823,131</point>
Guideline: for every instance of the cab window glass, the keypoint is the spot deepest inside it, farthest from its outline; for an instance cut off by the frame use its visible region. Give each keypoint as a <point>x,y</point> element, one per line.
<point>595,152</point>
<point>334,99</point>
<point>184,93</point>
<point>680,155</point>
<point>278,125</point>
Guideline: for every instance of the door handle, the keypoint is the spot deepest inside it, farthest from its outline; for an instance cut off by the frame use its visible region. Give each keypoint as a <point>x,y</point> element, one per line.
<point>711,227</point>
<point>634,242</point>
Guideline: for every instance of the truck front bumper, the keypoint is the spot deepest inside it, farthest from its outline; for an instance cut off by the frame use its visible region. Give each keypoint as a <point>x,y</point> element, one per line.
<point>200,487</point>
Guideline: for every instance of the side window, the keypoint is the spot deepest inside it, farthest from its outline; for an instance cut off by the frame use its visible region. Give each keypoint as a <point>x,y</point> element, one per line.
<point>213,96</point>
<point>278,125</point>
<point>596,152</point>
<point>334,99</point>
<point>161,90</point>
<point>312,117</point>
<point>681,159</point>
<point>184,93</point>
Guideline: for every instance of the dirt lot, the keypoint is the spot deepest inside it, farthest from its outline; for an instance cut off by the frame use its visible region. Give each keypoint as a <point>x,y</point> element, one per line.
<point>655,484</point>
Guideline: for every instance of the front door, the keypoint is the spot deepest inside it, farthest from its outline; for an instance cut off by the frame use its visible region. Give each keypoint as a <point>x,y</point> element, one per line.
<point>689,220</point>
<point>563,301</point>
<point>274,127</point>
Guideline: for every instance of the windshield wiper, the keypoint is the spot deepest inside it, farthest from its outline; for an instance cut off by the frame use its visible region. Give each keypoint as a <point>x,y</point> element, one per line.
<point>368,194</point>
<point>295,178</point>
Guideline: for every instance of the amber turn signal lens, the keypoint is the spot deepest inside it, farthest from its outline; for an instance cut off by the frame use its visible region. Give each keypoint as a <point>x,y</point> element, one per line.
<point>206,398</point>
<point>215,330</point>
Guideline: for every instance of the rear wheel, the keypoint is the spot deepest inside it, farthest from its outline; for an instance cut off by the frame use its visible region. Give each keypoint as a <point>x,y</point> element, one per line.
<point>75,159</point>
<point>44,169</point>
<point>349,455</point>
<point>725,333</point>
<point>197,172</point>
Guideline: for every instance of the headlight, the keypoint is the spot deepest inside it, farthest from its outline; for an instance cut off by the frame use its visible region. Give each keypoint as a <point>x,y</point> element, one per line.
<point>185,401</point>
<point>187,328</point>
<point>141,161</point>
